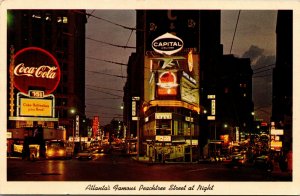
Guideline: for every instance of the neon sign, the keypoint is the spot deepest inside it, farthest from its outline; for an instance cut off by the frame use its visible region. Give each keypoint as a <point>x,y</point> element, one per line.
<point>36,69</point>
<point>167,44</point>
<point>167,83</point>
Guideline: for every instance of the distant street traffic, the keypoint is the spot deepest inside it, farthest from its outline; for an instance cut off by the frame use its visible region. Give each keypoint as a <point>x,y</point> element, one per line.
<point>119,167</point>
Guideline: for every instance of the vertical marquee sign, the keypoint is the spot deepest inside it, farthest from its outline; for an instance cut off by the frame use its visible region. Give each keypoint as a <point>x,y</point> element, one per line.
<point>36,75</point>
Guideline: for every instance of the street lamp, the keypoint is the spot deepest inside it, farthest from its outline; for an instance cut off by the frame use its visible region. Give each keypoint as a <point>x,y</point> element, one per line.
<point>72,111</point>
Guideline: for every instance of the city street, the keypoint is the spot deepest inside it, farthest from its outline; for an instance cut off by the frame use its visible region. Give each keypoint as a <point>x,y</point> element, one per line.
<point>116,167</point>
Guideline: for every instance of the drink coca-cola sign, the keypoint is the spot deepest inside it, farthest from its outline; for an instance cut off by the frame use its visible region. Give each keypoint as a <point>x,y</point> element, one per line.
<point>36,69</point>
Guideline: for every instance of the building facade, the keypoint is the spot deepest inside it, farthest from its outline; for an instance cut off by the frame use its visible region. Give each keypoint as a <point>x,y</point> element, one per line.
<point>32,36</point>
<point>179,86</point>
<point>282,92</point>
<point>163,103</point>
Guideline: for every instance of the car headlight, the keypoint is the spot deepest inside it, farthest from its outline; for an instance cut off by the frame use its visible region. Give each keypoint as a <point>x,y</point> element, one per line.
<point>61,152</point>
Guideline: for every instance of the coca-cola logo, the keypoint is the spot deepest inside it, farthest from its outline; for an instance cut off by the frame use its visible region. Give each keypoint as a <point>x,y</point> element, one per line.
<point>36,69</point>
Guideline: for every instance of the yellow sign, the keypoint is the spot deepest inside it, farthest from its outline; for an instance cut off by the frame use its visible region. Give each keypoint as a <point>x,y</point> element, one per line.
<point>275,144</point>
<point>35,107</point>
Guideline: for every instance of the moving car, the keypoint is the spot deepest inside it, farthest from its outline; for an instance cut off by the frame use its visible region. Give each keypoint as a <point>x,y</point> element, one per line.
<point>84,155</point>
<point>261,161</point>
<point>238,160</point>
<point>58,149</point>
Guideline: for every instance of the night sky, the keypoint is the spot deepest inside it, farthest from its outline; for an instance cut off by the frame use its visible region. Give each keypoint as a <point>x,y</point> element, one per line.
<point>255,39</point>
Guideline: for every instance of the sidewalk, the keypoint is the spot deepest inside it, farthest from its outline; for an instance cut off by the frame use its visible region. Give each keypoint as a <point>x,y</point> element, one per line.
<point>278,174</point>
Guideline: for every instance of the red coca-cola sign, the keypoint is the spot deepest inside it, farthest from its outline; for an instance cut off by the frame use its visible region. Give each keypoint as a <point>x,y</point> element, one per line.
<point>36,69</point>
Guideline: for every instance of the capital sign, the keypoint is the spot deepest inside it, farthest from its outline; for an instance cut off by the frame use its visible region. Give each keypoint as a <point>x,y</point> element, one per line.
<point>167,44</point>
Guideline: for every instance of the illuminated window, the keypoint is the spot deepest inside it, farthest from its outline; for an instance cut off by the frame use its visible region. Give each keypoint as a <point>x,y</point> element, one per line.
<point>243,85</point>
<point>65,19</point>
<point>163,127</point>
<point>36,16</point>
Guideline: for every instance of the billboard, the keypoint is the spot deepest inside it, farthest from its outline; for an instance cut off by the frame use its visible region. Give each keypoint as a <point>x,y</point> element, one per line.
<point>36,107</point>
<point>189,92</point>
<point>167,83</point>
<point>35,69</point>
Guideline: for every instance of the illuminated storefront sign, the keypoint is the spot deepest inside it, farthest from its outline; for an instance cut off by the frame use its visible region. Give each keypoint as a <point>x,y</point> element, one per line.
<point>194,142</point>
<point>35,107</point>
<point>95,126</point>
<point>173,103</point>
<point>213,107</point>
<point>190,78</point>
<point>163,115</point>
<point>77,126</point>
<point>35,69</point>
<point>189,92</point>
<point>276,144</point>
<point>163,138</point>
<point>133,108</point>
<point>167,83</point>
<point>190,61</point>
<point>167,44</point>
<point>211,117</point>
<point>277,131</point>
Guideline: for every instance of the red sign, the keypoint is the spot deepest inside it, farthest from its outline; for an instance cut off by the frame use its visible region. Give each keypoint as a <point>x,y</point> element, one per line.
<point>95,126</point>
<point>167,83</point>
<point>264,124</point>
<point>36,69</point>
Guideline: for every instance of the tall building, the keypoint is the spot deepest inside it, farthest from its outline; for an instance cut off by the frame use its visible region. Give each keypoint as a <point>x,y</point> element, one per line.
<point>164,80</point>
<point>35,37</point>
<point>282,98</point>
<point>235,105</point>
<point>179,85</point>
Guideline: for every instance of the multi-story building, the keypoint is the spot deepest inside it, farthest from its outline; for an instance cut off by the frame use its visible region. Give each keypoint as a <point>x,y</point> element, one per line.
<point>34,35</point>
<point>175,101</point>
<point>235,105</point>
<point>282,93</point>
<point>165,80</point>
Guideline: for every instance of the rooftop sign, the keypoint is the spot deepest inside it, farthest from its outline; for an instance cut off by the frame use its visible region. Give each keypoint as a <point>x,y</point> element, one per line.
<point>167,44</point>
<point>36,69</point>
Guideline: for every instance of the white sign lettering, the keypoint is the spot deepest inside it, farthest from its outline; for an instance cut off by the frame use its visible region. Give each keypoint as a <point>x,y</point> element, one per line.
<point>43,71</point>
<point>167,44</point>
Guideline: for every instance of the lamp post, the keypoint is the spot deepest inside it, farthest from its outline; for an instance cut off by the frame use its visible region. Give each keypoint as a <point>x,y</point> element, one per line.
<point>72,111</point>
